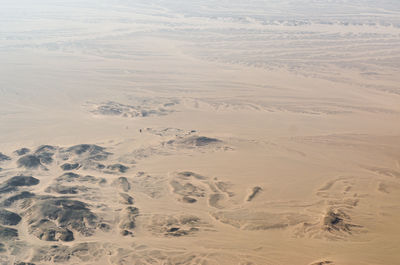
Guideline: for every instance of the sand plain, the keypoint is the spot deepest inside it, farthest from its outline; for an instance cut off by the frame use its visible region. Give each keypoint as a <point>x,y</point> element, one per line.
<point>199,132</point>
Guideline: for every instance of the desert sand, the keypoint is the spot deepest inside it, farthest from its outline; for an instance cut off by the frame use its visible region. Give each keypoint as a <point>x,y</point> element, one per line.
<point>200,132</point>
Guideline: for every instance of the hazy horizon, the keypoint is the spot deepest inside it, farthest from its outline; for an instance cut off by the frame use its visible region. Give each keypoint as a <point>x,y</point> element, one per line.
<point>199,132</point>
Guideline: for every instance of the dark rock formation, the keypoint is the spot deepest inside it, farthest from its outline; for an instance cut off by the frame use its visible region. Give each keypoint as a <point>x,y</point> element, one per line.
<point>68,166</point>
<point>7,234</point>
<point>198,141</point>
<point>47,230</point>
<point>337,221</point>
<point>21,196</point>
<point>128,218</point>
<point>17,181</point>
<point>122,183</point>
<point>61,189</point>
<point>67,213</point>
<point>29,162</point>
<point>125,198</point>
<point>9,218</point>
<point>63,254</point>
<point>73,177</point>
<point>22,151</point>
<point>118,167</point>
<point>91,151</point>
<point>3,157</point>
<point>254,193</point>
<point>188,199</point>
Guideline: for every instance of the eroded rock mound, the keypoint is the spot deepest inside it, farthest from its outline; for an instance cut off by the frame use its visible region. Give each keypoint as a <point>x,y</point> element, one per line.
<point>17,181</point>
<point>84,252</point>
<point>188,174</point>
<point>188,189</point>
<point>337,221</point>
<point>46,149</point>
<point>73,177</point>
<point>122,183</point>
<point>62,189</point>
<point>45,153</point>
<point>187,199</point>
<point>89,151</point>
<point>192,187</point>
<point>82,155</point>
<point>335,224</point>
<point>7,234</point>
<point>47,230</point>
<point>201,140</point>
<point>23,196</point>
<point>68,214</point>
<point>175,226</point>
<point>255,191</point>
<point>3,157</point>
<point>143,109</point>
<point>128,220</point>
<point>87,156</point>
<point>125,198</point>
<point>195,141</point>
<point>324,262</point>
<point>259,220</point>
<point>42,156</point>
<point>9,218</point>
<point>69,166</point>
<point>22,151</point>
<point>117,168</point>
<point>29,162</point>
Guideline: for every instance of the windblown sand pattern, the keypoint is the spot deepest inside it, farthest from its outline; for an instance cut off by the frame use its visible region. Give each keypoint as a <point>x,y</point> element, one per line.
<point>200,132</point>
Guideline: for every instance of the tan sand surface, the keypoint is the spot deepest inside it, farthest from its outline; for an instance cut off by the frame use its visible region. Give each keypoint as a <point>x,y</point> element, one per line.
<point>200,132</point>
